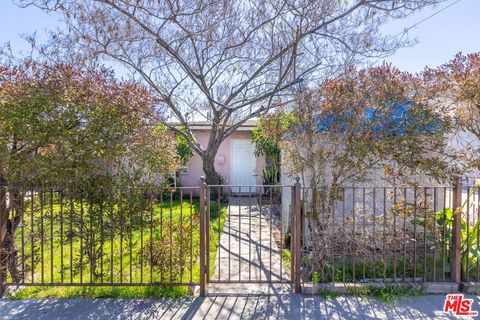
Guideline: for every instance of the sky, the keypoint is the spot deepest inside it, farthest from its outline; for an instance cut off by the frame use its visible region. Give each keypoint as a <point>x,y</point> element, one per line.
<point>439,38</point>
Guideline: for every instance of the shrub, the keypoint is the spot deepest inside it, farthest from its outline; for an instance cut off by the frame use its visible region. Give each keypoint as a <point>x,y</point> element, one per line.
<point>171,249</point>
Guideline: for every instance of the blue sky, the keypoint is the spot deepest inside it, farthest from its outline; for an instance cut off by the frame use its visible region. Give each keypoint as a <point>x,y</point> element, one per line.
<point>439,38</point>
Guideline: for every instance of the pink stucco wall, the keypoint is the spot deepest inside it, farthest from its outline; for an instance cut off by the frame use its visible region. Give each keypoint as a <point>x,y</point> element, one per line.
<point>195,170</point>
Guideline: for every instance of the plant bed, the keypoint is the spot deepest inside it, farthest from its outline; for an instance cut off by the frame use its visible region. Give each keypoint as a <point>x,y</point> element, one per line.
<point>271,213</point>
<point>470,287</point>
<point>426,287</point>
<point>365,270</point>
<point>384,292</point>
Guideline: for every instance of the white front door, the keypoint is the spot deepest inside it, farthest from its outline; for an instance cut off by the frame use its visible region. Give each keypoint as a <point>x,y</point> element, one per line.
<point>243,165</point>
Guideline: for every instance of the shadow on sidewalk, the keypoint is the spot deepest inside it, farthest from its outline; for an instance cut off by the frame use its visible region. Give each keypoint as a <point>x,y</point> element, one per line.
<point>247,306</point>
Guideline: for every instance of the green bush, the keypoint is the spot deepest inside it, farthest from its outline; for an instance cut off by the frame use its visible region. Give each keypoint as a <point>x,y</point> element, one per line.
<point>171,249</point>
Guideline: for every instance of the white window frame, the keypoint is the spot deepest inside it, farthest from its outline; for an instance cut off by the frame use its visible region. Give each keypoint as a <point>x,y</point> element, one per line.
<point>183,170</point>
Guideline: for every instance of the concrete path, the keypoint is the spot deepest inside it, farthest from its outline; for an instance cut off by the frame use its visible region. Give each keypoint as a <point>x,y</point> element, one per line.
<point>288,306</point>
<point>247,251</point>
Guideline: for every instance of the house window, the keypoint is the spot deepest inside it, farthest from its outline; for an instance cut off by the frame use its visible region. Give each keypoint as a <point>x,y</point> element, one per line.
<point>183,170</point>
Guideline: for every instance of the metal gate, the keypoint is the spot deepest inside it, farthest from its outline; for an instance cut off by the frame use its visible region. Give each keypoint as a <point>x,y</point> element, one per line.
<point>252,242</point>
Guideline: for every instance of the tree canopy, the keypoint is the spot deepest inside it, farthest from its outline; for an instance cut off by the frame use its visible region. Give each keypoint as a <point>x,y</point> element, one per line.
<point>455,87</point>
<point>367,121</point>
<point>227,61</point>
<point>61,124</point>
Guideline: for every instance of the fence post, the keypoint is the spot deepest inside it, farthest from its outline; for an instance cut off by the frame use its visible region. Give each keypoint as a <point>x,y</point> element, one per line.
<point>207,234</point>
<point>297,229</point>
<point>3,236</point>
<point>292,236</point>
<point>457,233</point>
<point>202,189</point>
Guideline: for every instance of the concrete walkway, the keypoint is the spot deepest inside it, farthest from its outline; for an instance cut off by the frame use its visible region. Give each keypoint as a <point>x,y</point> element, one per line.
<point>288,306</point>
<point>247,251</point>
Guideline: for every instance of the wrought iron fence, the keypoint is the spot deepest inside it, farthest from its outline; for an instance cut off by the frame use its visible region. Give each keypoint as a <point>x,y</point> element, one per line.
<point>141,236</point>
<point>133,236</point>
<point>151,236</point>
<point>390,234</point>
<point>470,233</point>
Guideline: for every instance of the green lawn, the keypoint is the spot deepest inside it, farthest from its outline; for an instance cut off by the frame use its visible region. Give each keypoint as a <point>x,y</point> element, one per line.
<point>134,241</point>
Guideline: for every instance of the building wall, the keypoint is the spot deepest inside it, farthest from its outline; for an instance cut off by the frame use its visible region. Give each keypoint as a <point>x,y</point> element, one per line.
<point>223,161</point>
<point>459,141</point>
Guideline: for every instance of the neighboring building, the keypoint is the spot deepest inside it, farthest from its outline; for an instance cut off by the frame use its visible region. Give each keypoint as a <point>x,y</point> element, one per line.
<point>392,124</point>
<point>235,160</point>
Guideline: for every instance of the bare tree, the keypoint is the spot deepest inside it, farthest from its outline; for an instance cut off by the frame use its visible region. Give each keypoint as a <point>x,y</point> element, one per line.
<point>227,60</point>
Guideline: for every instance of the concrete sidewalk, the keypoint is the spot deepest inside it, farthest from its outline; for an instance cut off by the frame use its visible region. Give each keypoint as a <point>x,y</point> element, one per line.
<point>287,306</point>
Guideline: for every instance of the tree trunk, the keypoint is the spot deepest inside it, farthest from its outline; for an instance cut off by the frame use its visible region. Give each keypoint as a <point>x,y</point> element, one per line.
<point>8,251</point>
<point>211,175</point>
<point>208,158</point>
<point>11,252</point>
<point>3,237</point>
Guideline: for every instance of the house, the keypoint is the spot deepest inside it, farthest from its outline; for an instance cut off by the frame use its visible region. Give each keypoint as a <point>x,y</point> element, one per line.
<point>235,160</point>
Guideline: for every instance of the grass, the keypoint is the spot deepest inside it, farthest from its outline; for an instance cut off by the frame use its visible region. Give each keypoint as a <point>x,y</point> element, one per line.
<point>388,294</point>
<point>366,269</point>
<point>327,294</point>
<point>286,259</point>
<point>124,239</point>
<point>100,292</point>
